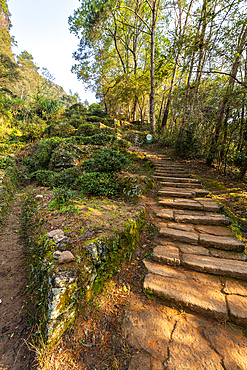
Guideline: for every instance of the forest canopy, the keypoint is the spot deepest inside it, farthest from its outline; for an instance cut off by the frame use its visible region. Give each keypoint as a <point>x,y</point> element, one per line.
<point>179,64</point>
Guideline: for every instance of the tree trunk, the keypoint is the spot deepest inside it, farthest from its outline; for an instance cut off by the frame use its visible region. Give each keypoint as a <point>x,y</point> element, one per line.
<point>152,93</point>
<point>228,94</point>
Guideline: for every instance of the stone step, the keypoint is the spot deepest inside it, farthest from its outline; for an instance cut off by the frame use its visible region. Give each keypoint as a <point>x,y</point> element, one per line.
<point>178,179</point>
<point>203,219</point>
<point>196,204</point>
<point>226,243</point>
<point>198,292</point>
<point>169,167</point>
<point>180,235</point>
<point>172,174</point>
<point>200,260</point>
<point>175,191</point>
<point>216,266</point>
<point>193,217</point>
<point>221,242</point>
<point>180,184</point>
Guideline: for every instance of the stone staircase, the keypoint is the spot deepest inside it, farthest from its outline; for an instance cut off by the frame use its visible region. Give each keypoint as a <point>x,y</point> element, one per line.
<point>197,263</point>
<point>194,245</point>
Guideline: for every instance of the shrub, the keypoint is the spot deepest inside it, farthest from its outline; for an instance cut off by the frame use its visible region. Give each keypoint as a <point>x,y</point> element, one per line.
<point>97,184</point>
<point>87,129</point>
<point>65,156</point>
<point>188,145</point>
<point>105,160</point>
<point>33,129</point>
<point>42,156</point>
<point>61,130</point>
<point>45,177</point>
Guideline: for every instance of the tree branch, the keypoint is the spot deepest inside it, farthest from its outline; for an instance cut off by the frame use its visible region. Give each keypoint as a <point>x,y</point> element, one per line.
<point>138,15</point>
<point>229,75</point>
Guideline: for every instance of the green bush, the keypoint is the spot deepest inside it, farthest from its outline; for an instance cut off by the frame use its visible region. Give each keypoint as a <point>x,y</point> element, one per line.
<point>94,119</point>
<point>33,129</point>
<point>45,177</point>
<point>42,156</point>
<point>188,145</point>
<point>105,160</point>
<point>87,129</point>
<point>76,122</point>
<point>60,130</point>
<point>96,183</point>
<point>62,196</point>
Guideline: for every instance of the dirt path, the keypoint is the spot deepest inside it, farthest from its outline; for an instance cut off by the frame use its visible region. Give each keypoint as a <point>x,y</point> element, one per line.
<point>14,326</point>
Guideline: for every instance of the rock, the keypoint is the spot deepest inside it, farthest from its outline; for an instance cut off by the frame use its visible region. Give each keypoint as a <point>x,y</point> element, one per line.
<point>221,242</point>
<point>203,219</point>
<point>53,233</point>
<point>230,344</point>
<point>202,299</point>
<point>181,203</point>
<point>66,257</point>
<point>39,196</point>
<point>149,330</point>
<point>58,238</point>
<point>177,192</point>
<point>227,255</point>
<point>167,214</point>
<point>182,236</point>
<point>190,249</point>
<point>177,179</point>
<point>140,361</point>
<point>180,274</point>
<point>167,254</point>
<point>238,309</point>
<point>188,350</point>
<point>156,364</point>
<point>214,230</point>
<point>57,254</point>
<point>235,287</point>
<point>182,227</point>
<point>218,266</point>
<point>209,205</point>
<point>64,244</point>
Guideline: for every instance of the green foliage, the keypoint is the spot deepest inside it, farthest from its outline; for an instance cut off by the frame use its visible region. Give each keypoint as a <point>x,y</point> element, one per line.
<point>187,146</point>
<point>87,129</point>
<point>105,160</point>
<point>38,266</point>
<point>62,196</point>
<point>97,184</point>
<point>62,129</point>
<point>33,129</point>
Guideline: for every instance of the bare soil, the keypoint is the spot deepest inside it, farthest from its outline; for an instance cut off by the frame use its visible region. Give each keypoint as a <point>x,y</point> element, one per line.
<point>15,331</point>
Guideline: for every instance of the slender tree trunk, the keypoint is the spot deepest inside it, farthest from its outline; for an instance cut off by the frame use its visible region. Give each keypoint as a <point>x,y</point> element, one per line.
<point>227,96</point>
<point>152,93</point>
<point>169,99</point>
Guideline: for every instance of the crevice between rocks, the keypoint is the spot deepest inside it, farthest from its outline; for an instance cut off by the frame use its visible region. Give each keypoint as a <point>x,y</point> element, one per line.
<point>168,346</point>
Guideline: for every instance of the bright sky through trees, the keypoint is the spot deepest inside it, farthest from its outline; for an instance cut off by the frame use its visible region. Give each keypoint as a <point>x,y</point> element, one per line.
<point>41,28</point>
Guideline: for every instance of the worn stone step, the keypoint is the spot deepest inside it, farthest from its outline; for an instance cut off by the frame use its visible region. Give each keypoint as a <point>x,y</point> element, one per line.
<point>193,217</point>
<point>180,203</point>
<point>180,235</point>
<point>171,174</point>
<point>200,294</point>
<point>221,242</point>
<point>177,191</point>
<point>180,184</point>
<point>203,219</point>
<point>168,254</point>
<point>177,179</point>
<point>195,204</point>
<point>216,266</point>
